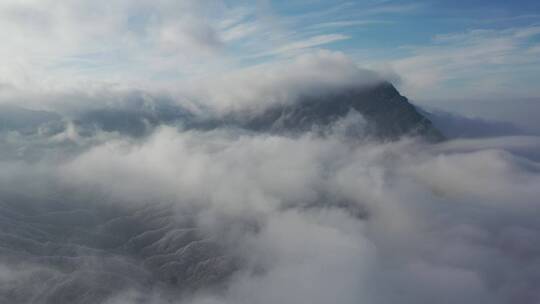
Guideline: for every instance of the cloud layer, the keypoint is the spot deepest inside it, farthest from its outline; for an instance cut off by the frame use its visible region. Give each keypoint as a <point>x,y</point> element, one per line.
<point>308,219</point>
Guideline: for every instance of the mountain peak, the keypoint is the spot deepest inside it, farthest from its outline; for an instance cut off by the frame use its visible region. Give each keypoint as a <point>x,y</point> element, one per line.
<point>387,113</point>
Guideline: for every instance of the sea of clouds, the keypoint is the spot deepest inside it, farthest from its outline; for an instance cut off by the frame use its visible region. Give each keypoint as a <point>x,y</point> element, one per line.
<point>306,218</point>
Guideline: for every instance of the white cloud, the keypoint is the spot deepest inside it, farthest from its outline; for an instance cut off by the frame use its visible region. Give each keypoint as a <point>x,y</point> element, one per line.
<point>347,23</point>
<point>307,43</point>
<point>281,81</point>
<point>253,88</point>
<point>54,45</point>
<point>438,216</point>
<point>473,64</point>
<point>315,219</point>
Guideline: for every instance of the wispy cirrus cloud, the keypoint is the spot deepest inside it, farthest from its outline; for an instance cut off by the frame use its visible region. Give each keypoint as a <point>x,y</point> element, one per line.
<point>122,38</point>
<point>348,23</point>
<point>477,63</point>
<point>53,45</point>
<point>50,45</point>
<point>308,43</point>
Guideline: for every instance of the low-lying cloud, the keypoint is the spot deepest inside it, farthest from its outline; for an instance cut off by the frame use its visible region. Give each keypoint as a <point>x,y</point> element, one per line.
<point>316,220</point>
<point>119,202</point>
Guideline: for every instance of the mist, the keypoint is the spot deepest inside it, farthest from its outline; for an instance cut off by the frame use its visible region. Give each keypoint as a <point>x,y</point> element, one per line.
<point>264,218</point>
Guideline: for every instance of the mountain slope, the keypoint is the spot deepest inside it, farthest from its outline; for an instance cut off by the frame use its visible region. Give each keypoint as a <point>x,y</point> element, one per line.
<point>388,114</point>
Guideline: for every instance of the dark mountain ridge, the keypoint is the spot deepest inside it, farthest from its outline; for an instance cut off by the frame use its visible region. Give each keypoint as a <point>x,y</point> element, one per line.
<point>388,116</point>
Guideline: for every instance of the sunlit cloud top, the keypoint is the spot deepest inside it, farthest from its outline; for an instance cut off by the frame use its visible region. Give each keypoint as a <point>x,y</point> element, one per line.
<point>484,48</point>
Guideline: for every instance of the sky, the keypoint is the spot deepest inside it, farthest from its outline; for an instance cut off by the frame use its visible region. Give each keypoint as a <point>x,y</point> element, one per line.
<point>433,50</point>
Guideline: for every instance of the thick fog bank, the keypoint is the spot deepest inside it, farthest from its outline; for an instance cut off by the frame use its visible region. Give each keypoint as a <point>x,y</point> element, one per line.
<point>229,216</point>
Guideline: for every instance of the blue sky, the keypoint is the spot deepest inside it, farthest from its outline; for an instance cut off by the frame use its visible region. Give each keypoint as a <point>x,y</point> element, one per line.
<point>432,50</point>
<point>390,32</point>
